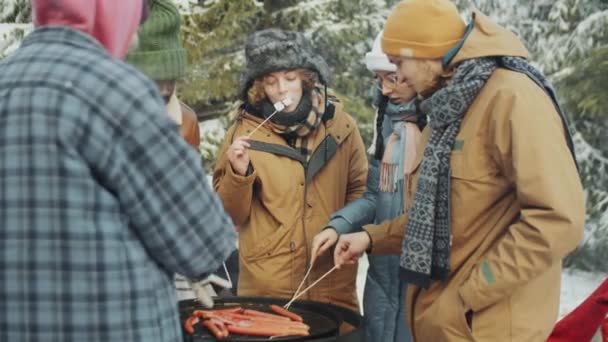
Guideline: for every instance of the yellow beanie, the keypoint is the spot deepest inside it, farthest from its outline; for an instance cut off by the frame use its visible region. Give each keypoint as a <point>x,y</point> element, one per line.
<point>422,29</point>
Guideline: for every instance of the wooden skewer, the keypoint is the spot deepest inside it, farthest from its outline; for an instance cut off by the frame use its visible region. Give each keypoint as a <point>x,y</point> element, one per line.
<point>279,106</point>
<point>286,306</point>
<point>309,287</point>
<point>260,125</point>
<point>228,275</point>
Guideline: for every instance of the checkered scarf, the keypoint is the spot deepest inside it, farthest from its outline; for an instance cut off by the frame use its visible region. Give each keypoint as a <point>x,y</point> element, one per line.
<point>425,252</point>
<point>301,131</point>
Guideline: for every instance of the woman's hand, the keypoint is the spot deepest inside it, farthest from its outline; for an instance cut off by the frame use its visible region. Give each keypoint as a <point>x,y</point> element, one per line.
<point>350,248</point>
<point>238,156</point>
<point>323,241</point>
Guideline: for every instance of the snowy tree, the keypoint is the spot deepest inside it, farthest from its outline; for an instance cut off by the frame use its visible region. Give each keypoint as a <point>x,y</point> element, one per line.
<point>215,33</point>
<point>15,11</point>
<point>584,93</point>
<point>14,24</point>
<point>556,32</point>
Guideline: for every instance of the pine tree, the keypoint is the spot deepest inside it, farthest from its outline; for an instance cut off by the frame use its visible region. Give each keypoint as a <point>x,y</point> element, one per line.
<point>556,32</point>
<point>15,11</point>
<point>583,92</point>
<point>342,31</point>
<point>14,24</point>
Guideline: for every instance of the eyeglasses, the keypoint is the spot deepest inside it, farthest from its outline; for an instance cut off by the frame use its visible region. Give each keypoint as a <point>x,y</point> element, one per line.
<point>389,81</point>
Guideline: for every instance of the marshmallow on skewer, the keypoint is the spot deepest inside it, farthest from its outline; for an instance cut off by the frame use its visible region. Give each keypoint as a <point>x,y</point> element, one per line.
<point>287,101</point>
<point>279,106</point>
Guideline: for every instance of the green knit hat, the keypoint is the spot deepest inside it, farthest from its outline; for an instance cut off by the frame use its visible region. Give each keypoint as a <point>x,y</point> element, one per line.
<point>159,53</point>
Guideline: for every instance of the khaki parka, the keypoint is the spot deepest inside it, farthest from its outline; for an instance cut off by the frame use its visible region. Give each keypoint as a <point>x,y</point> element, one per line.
<point>517,209</point>
<point>279,212</point>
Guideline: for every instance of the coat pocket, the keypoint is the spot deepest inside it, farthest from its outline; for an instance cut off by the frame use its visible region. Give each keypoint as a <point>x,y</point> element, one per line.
<point>471,161</point>
<point>493,323</point>
<point>466,320</point>
<point>444,320</point>
<point>252,248</point>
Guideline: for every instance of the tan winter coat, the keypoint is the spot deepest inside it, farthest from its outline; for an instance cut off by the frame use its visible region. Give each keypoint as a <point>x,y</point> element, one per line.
<point>517,209</point>
<point>279,213</point>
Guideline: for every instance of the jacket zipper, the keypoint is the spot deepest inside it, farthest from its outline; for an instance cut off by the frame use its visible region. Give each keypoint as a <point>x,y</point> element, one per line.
<point>304,220</point>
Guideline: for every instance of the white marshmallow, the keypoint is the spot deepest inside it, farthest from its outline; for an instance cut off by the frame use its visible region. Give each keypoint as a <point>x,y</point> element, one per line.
<point>279,106</point>
<point>287,101</point>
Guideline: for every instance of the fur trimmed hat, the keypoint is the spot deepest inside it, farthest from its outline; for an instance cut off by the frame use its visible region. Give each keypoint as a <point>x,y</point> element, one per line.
<point>272,50</point>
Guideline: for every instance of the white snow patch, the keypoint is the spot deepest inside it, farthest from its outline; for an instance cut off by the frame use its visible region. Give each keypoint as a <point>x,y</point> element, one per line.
<point>576,287</point>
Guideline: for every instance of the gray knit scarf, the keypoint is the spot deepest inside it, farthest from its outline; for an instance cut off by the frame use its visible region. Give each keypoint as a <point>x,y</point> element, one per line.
<point>425,253</point>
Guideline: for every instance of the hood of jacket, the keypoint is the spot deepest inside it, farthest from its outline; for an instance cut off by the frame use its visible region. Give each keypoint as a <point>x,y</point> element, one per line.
<point>112,22</point>
<point>489,39</point>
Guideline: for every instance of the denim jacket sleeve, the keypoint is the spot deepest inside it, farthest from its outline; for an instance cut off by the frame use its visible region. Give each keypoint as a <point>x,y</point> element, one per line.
<point>361,211</point>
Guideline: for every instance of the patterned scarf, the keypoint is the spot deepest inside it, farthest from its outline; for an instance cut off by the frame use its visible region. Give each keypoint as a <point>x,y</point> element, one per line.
<point>402,145</point>
<point>308,114</point>
<point>425,252</point>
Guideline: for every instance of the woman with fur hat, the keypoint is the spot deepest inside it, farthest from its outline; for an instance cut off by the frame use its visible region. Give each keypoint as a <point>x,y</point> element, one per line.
<point>292,157</point>
<point>396,136</point>
<point>498,201</point>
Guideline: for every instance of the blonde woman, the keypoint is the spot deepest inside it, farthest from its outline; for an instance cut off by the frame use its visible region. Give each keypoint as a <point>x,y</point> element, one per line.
<point>394,156</point>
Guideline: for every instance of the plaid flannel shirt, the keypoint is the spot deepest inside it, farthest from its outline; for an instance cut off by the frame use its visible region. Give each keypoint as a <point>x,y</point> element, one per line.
<point>101,201</point>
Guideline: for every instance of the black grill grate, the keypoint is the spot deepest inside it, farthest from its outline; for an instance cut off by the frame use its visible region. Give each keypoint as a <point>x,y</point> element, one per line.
<point>322,319</point>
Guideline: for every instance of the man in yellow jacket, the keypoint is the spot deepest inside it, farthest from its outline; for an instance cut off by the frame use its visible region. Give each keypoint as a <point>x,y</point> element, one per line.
<point>498,201</point>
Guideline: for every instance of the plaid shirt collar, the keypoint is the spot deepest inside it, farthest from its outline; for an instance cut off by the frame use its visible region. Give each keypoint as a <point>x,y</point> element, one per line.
<point>62,35</point>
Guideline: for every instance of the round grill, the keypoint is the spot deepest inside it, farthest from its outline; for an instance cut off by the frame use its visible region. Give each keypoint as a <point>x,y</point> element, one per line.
<point>324,319</point>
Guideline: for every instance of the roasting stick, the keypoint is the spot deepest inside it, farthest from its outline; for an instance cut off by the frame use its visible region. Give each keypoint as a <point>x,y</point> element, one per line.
<point>309,287</point>
<point>295,294</point>
<point>278,336</point>
<point>227,275</point>
<point>279,106</point>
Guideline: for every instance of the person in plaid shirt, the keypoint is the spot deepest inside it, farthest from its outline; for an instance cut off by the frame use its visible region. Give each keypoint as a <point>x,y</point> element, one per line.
<point>101,200</point>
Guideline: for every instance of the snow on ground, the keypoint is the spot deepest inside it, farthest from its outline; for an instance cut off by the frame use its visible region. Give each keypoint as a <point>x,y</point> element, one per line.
<point>576,286</point>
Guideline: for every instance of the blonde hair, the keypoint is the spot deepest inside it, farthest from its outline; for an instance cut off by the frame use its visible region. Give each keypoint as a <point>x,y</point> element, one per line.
<point>256,93</point>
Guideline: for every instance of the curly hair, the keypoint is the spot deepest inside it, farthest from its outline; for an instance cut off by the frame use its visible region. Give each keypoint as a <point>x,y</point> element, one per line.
<point>256,92</point>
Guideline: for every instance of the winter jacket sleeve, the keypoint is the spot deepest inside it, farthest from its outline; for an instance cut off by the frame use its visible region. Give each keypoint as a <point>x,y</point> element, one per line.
<point>361,211</point>
<point>161,185</point>
<point>357,172</point>
<point>386,237</point>
<point>529,146</point>
<point>236,191</point>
